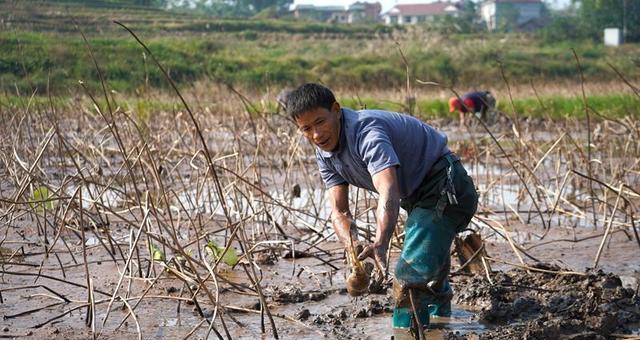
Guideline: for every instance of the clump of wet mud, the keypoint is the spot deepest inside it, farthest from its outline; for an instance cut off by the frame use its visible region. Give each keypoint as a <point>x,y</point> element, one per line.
<point>540,305</point>
<point>292,294</point>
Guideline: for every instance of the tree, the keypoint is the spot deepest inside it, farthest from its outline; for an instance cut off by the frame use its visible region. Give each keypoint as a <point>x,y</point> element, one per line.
<point>562,28</point>
<point>596,15</point>
<point>258,5</point>
<point>469,12</point>
<point>156,3</point>
<point>467,20</point>
<point>509,18</point>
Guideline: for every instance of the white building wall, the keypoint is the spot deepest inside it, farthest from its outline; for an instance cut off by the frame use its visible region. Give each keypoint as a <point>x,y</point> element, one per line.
<point>612,37</point>
<point>488,14</point>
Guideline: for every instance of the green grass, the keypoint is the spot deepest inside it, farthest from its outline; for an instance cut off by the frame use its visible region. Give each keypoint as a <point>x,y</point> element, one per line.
<point>612,106</point>
<point>553,107</point>
<point>31,60</point>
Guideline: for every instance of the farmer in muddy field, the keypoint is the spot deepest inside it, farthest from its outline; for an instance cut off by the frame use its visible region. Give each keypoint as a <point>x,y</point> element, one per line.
<point>481,103</point>
<point>281,100</point>
<point>409,165</point>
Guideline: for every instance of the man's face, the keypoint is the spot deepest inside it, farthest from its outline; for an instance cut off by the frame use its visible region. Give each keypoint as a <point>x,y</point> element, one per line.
<point>321,126</point>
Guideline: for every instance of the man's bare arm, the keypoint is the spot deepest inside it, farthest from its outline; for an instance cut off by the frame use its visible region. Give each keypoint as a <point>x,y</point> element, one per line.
<point>340,215</point>
<point>386,183</point>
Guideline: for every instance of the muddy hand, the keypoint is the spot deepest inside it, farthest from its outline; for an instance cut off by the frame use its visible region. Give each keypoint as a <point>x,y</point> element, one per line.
<point>377,282</point>
<point>378,254</point>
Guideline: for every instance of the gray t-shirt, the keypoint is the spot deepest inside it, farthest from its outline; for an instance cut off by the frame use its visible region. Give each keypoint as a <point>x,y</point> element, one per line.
<point>374,140</point>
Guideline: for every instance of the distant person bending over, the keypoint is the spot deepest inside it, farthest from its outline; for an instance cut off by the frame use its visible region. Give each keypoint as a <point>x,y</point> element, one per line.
<point>409,165</point>
<point>281,100</point>
<point>480,103</point>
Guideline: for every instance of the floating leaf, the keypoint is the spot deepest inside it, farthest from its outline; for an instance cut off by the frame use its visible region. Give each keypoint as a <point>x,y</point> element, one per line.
<point>42,199</point>
<point>230,257</point>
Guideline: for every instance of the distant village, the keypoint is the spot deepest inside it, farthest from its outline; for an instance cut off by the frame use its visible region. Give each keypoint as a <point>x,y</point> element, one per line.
<point>527,13</point>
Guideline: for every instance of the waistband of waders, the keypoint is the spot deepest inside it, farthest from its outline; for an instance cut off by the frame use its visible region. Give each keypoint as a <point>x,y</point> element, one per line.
<point>441,164</point>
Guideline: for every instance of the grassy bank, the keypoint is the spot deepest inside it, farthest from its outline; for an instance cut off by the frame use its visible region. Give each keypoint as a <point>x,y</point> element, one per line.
<point>548,107</point>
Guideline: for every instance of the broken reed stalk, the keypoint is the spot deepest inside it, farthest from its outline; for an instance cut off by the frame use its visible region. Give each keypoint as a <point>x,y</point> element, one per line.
<point>420,328</point>
<point>23,185</point>
<point>111,123</point>
<point>254,280</point>
<point>586,111</point>
<point>608,230</point>
<point>88,315</point>
<point>409,98</point>
<point>634,88</point>
<point>92,307</point>
<point>131,252</point>
<point>515,249</point>
<point>133,315</point>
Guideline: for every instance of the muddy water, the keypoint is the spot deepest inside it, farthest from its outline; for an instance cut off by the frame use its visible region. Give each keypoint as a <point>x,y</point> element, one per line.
<point>306,298</point>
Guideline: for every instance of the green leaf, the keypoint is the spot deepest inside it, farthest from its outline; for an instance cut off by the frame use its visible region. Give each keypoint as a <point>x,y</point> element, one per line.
<point>157,254</point>
<point>42,199</point>
<point>230,257</point>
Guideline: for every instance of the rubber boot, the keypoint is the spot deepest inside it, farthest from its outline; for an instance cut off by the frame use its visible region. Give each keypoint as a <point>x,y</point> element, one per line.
<point>441,304</point>
<point>404,323</point>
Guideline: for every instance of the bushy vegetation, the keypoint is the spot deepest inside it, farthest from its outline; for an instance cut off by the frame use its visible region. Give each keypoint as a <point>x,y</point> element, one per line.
<point>588,21</point>
<point>255,60</point>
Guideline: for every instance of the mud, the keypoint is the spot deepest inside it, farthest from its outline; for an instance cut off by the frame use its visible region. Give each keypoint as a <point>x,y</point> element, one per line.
<point>309,302</point>
<point>289,294</point>
<point>538,305</point>
<point>56,261</point>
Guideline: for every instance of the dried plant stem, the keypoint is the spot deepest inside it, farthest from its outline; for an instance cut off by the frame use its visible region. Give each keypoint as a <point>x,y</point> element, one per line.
<point>608,230</point>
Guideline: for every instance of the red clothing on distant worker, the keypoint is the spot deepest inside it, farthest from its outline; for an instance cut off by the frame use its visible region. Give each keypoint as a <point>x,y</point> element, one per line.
<point>474,101</point>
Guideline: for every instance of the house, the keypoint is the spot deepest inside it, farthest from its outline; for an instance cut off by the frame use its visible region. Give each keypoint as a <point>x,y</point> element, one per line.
<point>356,12</point>
<point>411,14</point>
<point>363,11</point>
<point>320,13</point>
<point>521,15</point>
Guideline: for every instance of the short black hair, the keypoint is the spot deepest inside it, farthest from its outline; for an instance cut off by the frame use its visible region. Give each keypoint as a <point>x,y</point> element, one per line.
<point>308,97</point>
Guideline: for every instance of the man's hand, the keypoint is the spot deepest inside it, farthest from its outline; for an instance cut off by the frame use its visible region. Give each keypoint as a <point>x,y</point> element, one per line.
<point>378,253</point>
